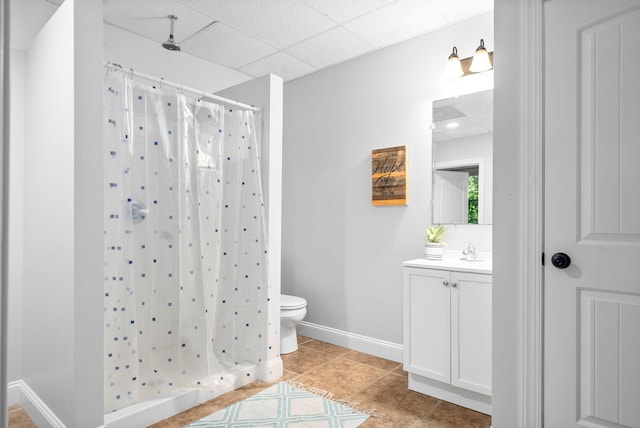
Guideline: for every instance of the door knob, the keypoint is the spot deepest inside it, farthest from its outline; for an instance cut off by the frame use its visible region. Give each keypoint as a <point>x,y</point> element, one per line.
<point>560,260</point>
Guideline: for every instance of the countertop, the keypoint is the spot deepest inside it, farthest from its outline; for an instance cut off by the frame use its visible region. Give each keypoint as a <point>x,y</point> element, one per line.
<point>452,263</point>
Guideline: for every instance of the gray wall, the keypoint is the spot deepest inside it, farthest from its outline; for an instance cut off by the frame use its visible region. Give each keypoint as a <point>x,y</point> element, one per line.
<point>14,358</point>
<point>63,242</point>
<point>339,252</point>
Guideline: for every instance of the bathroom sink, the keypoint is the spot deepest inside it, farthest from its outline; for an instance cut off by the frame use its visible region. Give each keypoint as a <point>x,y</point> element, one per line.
<point>483,265</point>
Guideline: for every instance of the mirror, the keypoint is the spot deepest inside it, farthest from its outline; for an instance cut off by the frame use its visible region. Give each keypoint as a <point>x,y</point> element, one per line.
<point>462,137</point>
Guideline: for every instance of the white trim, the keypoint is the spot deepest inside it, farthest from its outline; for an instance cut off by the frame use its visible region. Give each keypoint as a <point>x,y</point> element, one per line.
<point>532,63</point>
<point>272,370</point>
<point>20,393</point>
<point>6,213</point>
<point>459,163</point>
<point>462,397</point>
<point>151,411</point>
<point>379,348</point>
<point>518,215</point>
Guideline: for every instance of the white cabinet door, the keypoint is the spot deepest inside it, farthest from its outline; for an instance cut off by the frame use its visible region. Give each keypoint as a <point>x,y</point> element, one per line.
<point>427,323</point>
<point>471,331</point>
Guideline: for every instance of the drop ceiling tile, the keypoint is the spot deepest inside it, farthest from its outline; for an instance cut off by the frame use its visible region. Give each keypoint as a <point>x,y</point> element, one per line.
<point>148,18</point>
<point>227,46</point>
<point>380,27</point>
<point>280,23</point>
<point>281,64</point>
<point>459,10</point>
<point>328,48</point>
<point>342,11</point>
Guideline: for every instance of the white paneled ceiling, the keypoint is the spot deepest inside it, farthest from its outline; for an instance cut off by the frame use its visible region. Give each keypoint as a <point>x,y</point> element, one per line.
<point>290,38</point>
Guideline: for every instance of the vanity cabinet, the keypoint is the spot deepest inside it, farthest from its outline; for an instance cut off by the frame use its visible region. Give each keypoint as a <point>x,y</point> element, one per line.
<point>447,331</point>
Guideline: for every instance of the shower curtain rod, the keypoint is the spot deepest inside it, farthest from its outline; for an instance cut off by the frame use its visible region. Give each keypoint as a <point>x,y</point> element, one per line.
<point>161,81</point>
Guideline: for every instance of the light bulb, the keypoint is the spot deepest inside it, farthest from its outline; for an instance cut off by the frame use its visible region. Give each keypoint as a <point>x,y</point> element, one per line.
<point>480,60</point>
<point>454,68</point>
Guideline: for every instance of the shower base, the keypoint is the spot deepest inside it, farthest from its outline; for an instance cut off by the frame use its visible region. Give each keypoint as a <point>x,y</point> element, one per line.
<point>164,406</point>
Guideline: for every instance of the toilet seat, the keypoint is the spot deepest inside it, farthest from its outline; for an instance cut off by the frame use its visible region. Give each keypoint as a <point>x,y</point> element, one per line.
<point>291,302</point>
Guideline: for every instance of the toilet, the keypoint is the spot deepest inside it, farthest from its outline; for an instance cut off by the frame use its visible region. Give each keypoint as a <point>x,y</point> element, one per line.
<point>292,311</point>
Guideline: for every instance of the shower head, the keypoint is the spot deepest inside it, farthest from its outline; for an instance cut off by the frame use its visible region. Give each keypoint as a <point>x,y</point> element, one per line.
<point>171,44</point>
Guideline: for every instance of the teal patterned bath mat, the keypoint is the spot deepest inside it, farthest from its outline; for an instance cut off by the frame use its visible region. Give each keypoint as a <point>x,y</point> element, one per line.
<point>285,405</point>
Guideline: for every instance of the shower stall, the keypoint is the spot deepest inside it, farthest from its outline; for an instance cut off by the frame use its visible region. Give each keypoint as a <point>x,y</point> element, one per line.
<point>188,308</point>
<point>82,346</point>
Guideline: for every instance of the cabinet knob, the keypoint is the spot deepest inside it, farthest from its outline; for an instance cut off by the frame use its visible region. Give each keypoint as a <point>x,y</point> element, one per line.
<point>445,283</point>
<point>454,284</point>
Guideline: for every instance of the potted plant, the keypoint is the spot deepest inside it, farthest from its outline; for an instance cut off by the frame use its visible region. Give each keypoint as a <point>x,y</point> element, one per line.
<point>433,244</point>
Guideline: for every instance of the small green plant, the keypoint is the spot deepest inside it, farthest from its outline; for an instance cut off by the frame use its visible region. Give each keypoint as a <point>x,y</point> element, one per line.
<point>435,234</point>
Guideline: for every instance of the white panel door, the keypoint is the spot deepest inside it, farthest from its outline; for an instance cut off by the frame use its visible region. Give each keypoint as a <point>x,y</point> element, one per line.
<point>451,196</point>
<point>471,331</point>
<point>592,213</point>
<point>427,323</point>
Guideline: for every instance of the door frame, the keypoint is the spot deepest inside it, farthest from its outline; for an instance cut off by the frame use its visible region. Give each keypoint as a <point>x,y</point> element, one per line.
<point>4,206</point>
<point>533,212</point>
<point>518,232</point>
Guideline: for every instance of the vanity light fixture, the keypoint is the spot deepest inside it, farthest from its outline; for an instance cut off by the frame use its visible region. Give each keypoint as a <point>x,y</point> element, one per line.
<point>480,62</point>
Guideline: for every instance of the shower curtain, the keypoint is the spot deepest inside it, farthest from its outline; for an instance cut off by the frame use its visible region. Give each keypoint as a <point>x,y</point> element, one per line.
<point>185,243</point>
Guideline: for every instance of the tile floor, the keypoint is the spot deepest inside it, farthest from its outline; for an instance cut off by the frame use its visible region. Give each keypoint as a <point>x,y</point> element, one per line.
<point>18,418</point>
<point>374,383</point>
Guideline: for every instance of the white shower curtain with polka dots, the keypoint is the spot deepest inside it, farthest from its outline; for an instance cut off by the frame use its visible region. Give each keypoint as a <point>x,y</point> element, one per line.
<point>185,244</point>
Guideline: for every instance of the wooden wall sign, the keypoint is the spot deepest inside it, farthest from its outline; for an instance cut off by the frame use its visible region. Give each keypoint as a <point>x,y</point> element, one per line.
<point>389,176</point>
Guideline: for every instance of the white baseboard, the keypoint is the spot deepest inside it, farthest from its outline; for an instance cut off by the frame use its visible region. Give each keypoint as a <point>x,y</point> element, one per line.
<point>271,370</point>
<point>379,348</point>
<point>20,393</point>
<point>462,397</point>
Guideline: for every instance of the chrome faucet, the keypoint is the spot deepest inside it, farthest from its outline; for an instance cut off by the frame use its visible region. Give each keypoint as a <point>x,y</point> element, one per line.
<point>470,252</point>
